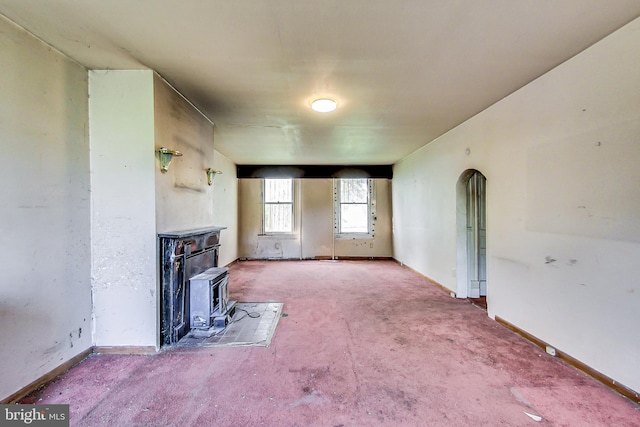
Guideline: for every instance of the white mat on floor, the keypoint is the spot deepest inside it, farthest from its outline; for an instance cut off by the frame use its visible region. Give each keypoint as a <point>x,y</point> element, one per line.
<point>254,323</point>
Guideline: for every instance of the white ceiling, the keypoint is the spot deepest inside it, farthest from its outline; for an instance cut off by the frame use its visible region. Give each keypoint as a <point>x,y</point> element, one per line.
<point>404,72</point>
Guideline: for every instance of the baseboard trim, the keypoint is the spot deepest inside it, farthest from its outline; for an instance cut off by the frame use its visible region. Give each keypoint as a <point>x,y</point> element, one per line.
<point>323,258</point>
<point>235,261</point>
<point>429,279</point>
<point>609,382</point>
<point>33,386</point>
<point>363,258</point>
<point>61,369</point>
<point>143,350</point>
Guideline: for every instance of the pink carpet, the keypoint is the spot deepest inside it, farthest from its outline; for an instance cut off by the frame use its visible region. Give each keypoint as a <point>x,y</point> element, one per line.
<point>360,343</point>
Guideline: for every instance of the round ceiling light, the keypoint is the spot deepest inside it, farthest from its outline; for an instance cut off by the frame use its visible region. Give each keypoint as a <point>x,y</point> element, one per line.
<point>324,105</point>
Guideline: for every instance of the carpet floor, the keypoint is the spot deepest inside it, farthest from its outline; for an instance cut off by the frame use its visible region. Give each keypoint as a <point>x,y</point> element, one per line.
<point>358,343</point>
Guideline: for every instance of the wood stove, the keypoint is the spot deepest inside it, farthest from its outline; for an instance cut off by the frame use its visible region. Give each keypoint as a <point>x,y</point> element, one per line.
<point>210,308</point>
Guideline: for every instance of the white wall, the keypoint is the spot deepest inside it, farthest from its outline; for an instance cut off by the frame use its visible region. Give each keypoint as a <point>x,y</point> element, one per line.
<point>561,160</point>
<point>123,231</point>
<point>45,295</point>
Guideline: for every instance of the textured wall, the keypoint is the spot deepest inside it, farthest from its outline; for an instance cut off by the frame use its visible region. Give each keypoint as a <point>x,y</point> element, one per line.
<point>184,199</point>
<point>560,156</point>
<point>45,293</point>
<point>124,273</point>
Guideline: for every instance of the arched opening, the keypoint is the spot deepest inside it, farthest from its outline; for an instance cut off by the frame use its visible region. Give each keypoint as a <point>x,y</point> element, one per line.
<point>471,220</point>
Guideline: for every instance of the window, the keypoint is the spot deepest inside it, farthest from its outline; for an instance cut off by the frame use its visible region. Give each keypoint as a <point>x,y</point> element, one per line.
<point>278,205</point>
<point>354,203</point>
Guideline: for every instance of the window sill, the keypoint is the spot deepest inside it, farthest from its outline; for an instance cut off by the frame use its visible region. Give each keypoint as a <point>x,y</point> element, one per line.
<point>291,236</point>
<point>354,236</point>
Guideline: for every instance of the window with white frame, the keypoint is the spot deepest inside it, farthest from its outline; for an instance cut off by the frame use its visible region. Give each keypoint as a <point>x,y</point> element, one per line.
<point>354,207</point>
<point>278,205</point>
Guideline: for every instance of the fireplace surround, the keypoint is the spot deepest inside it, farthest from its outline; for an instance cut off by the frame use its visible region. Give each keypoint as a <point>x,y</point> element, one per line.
<point>183,254</point>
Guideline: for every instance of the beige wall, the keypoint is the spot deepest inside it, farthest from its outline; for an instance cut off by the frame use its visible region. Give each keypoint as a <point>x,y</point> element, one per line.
<point>381,245</point>
<point>563,235</point>
<point>184,199</point>
<point>225,207</point>
<point>45,289</point>
<point>317,221</point>
<point>251,243</point>
<point>314,224</point>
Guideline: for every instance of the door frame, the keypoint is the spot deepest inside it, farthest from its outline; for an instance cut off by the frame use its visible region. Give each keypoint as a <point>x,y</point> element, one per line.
<point>462,276</point>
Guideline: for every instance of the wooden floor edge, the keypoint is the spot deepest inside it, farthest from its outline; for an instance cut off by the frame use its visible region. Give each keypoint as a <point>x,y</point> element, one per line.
<point>141,350</point>
<point>433,282</point>
<point>625,391</point>
<point>46,378</point>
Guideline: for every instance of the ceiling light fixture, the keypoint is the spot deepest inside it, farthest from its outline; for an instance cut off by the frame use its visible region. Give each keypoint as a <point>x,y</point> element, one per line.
<point>323,105</point>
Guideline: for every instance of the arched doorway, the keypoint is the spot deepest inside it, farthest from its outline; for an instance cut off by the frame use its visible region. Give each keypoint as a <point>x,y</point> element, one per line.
<point>471,269</point>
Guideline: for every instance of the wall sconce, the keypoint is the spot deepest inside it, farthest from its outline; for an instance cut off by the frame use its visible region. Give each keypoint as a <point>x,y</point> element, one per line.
<point>211,173</point>
<point>165,158</point>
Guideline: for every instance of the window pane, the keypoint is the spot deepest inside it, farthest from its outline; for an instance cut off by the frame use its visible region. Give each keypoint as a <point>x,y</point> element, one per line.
<point>278,190</point>
<point>354,191</point>
<point>278,218</point>
<point>354,218</point>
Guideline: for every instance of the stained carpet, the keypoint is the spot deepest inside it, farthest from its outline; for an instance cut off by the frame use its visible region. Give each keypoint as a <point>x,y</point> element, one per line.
<point>365,343</point>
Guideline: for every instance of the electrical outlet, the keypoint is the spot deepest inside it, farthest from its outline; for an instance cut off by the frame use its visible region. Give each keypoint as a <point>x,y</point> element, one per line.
<point>551,350</point>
